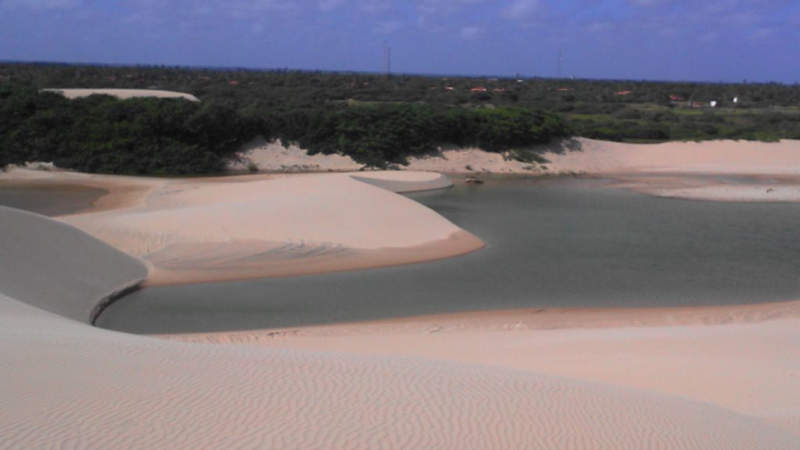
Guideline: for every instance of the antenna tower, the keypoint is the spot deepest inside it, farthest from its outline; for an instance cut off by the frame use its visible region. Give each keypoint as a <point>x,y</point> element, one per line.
<point>559,63</point>
<point>387,56</point>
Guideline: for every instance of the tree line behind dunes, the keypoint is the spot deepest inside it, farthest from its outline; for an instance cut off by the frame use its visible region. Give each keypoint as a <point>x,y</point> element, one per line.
<point>376,119</point>
<point>161,136</point>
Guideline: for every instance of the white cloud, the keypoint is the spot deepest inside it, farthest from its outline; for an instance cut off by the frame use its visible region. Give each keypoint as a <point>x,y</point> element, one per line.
<point>328,5</point>
<point>599,27</point>
<point>646,2</point>
<point>39,5</point>
<point>469,33</point>
<point>520,9</point>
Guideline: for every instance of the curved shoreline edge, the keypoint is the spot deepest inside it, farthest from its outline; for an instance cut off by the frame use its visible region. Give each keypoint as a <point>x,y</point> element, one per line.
<point>260,226</point>
<point>58,268</point>
<point>101,388</point>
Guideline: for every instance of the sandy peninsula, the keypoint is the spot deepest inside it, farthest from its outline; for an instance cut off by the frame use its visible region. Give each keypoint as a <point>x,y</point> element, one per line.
<point>227,228</point>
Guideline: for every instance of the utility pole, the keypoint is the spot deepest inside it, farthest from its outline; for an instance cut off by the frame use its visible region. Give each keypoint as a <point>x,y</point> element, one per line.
<point>559,63</point>
<point>387,55</point>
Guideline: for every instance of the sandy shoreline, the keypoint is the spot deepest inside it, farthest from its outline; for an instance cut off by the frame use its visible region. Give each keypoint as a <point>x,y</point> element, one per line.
<point>713,377</point>
<point>225,228</point>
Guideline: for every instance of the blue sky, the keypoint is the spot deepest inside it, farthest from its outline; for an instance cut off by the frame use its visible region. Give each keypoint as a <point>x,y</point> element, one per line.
<point>706,40</point>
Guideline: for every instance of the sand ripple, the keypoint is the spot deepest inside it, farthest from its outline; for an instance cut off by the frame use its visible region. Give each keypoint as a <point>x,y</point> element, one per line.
<point>75,386</point>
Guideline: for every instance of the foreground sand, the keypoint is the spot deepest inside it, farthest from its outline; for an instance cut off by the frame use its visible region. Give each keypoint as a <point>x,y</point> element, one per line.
<point>69,385</point>
<point>742,358</point>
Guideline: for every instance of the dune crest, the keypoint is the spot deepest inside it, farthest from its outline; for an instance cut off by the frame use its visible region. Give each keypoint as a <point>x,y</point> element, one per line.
<point>214,229</point>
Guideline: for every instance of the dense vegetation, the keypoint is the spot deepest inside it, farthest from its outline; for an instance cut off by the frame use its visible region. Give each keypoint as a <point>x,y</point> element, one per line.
<point>376,119</point>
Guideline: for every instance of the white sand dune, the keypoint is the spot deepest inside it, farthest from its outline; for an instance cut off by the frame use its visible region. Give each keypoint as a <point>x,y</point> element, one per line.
<point>69,385</point>
<point>66,384</point>
<point>123,93</point>
<point>674,379</point>
<point>744,358</point>
<point>707,157</point>
<point>713,170</point>
<point>213,229</point>
<point>709,170</point>
<point>274,157</point>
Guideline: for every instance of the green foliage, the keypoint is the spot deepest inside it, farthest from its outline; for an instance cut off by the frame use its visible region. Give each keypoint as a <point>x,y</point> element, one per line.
<point>103,134</point>
<point>378,120</point>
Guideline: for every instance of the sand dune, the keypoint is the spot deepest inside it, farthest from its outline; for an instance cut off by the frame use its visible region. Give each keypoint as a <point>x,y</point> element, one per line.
<point>712,170</point>
<point>59,268</point>
<point>745,358</point>
<point>707,157</point>
<point>123,93</point>
<point>66,384</point>
<point>709,170</point>
<point>70,385</point>
<point>723,377</point>
<point>213,229</point>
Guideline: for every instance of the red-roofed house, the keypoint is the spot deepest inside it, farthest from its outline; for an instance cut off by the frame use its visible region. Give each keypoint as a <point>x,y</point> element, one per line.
<point>478,89</point>
<point>623,93</point>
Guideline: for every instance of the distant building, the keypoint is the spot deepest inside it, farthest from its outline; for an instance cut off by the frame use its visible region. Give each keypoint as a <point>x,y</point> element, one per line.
<point>478,89</point>
<point>563,89</point>
<point>676,98</point>
<point>623,93</point>
<point>712,103</point>
<point>448,88</point>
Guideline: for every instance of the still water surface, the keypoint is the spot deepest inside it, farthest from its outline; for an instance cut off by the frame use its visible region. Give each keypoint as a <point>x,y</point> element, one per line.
<point>552,243</point>
<point>49,200</point>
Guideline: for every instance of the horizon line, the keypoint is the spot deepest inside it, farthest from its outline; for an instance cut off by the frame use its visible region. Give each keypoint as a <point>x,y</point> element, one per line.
<point>383,73</point>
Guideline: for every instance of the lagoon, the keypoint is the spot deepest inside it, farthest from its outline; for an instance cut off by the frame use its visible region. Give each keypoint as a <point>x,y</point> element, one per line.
<point>550,243</point>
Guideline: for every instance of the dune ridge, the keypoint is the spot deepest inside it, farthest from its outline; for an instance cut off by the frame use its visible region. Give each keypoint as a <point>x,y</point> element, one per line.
<point>710,170</point>
<point>722,170</point>
<point>60,269</point>
<point>226,228</point>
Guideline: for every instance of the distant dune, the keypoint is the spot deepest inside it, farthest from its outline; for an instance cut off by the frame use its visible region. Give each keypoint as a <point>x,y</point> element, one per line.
<point>710,170</point>
<point>123,93</point>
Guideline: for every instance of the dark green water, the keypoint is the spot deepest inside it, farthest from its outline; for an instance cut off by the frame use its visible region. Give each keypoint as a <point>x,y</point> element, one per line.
<point>555,243</point>
<point>49,200</point>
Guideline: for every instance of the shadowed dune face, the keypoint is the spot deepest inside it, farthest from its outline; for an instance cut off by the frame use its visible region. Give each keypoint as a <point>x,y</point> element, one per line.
<point>59,268</point>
